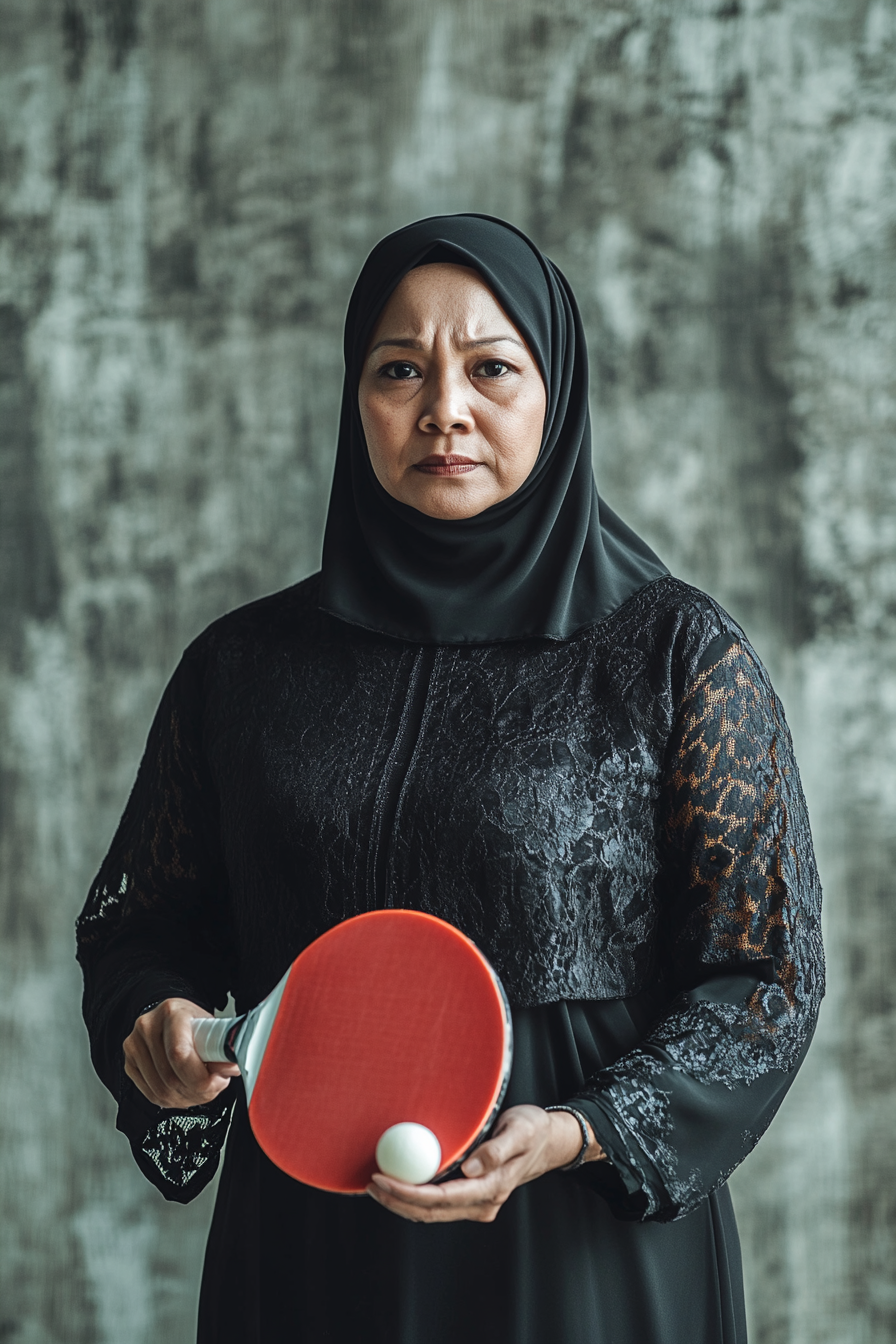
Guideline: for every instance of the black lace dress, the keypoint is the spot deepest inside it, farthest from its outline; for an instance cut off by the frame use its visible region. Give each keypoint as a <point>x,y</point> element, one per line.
<point>616,820</point>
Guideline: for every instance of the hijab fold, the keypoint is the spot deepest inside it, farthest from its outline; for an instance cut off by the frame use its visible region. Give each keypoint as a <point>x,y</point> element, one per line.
<point>547,561</point>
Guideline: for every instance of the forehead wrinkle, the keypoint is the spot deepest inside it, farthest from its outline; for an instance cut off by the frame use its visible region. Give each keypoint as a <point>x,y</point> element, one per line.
<point>411,343</point>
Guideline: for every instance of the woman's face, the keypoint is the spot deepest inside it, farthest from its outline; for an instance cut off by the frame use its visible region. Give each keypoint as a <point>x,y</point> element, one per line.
<point>452,402</point>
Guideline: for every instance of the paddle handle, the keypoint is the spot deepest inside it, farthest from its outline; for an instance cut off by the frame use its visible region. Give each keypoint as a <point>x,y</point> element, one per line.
<point>214,1036</point>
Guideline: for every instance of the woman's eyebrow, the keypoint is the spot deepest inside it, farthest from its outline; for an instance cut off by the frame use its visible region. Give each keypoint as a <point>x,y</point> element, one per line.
<point>490,340</point>
<point>409,343</point>
<point>403,342</point>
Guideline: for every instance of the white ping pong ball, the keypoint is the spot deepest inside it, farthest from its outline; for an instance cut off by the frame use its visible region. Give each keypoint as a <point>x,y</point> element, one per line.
<point>409,1152</point>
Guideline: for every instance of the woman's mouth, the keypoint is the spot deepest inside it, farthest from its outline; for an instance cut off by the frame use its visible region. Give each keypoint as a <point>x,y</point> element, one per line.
<point>451,464</point>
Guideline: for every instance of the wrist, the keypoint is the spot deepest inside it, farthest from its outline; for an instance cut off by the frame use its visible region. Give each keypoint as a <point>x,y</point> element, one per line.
<point>566,1136</point>
<point>575,1139</point>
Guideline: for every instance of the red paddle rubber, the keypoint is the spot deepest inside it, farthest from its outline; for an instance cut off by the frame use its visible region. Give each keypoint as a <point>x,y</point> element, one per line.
<point>393,1015</point>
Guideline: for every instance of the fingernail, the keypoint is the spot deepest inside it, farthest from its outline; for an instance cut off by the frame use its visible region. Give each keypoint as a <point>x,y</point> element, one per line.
<point>377,1179</point>
<point>473,1167</point>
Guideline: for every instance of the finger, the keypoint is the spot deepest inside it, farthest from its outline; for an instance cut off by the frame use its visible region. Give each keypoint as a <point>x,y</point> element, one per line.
<point>171,1088</point>
<point>497,1151</point>
<point>515,1135</point>
<point>175,1095</point>
<point>138,1066</point>
<point>450,1194</point>
<point>452,1199</point>
<point>190,1072</point>
<point>492,1172</point>
<point>169,1085</point>
<point>141,1085</point>
<point>437,1210</point>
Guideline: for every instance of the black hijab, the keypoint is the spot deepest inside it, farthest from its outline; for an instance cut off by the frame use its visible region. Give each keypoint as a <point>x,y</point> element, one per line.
<point>548,560</point>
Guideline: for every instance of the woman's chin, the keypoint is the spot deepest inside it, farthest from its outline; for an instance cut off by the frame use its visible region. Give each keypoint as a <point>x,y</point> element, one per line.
<point>449,499</point>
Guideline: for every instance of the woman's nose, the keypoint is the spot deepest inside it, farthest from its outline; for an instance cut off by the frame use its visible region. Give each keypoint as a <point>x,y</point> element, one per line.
<point>447,407</point>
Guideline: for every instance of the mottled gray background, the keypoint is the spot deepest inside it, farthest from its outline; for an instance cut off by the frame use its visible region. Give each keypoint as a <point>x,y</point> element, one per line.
<point>188,190</point>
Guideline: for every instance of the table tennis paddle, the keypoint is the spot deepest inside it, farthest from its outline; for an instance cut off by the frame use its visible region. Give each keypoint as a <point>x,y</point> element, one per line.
<point>389,1029</point>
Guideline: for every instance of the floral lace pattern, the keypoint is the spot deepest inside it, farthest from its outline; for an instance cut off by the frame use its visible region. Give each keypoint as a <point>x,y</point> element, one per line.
<point>146,933</point>
<point>180,1145</point>
<point>744,906</point>
<point>600,815</point>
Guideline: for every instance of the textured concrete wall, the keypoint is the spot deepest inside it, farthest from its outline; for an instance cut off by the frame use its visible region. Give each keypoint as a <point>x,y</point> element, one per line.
<point>188,190</point>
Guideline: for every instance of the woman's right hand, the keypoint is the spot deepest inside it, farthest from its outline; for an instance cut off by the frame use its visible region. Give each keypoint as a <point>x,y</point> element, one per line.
<point>160,1058</point>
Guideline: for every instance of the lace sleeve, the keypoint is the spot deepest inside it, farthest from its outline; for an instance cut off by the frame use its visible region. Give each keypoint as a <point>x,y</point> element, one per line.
<point>154,926</point>
<point>742,945</point>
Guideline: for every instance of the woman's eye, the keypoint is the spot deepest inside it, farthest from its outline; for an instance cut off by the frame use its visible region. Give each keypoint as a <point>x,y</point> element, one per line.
<point>493,368</point>
<point>400,371</point>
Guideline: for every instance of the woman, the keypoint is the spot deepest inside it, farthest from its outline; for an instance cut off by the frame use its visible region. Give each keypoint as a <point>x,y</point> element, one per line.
<point>494,704</point>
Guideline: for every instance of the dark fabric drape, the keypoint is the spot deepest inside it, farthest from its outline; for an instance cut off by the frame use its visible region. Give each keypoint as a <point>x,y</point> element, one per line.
<point>285,1262</point>
<point>547,561</point>
<point>638,779</point>
<point>616,819</point>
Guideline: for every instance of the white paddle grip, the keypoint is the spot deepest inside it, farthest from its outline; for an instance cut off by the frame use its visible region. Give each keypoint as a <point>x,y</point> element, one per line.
<point>210,1035</point>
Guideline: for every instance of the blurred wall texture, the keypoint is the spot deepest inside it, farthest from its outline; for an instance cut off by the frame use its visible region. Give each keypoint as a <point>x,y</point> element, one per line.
<point>188,190</point>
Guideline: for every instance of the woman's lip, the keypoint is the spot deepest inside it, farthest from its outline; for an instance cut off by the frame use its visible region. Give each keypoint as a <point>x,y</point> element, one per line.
<point>452,465</point>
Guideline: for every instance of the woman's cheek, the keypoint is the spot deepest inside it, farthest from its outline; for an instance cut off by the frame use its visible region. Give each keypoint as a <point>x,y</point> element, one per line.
<point>382,429</point>
<point>514,458</point>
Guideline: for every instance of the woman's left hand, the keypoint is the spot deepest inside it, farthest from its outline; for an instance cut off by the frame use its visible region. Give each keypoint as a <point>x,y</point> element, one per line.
<point>527,1142</point>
